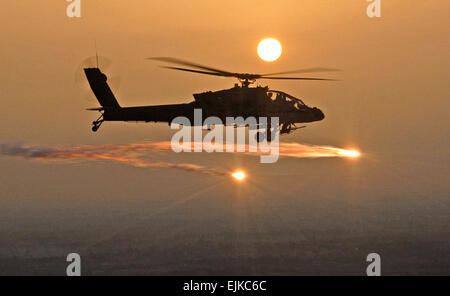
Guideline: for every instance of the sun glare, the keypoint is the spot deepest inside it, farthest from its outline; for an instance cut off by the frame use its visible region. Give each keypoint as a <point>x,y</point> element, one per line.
<point>239,175</point>
<point>269,49</point>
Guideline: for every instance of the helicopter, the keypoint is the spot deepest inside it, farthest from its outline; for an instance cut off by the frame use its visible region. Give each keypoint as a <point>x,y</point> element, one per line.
<point>239,101</point>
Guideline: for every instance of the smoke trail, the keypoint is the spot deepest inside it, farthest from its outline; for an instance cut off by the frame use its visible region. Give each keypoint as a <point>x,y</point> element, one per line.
<point>132,154</point>
<point>95,153</point>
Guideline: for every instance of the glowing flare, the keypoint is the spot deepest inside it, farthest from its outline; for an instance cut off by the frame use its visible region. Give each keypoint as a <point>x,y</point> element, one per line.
<point>239,175</point>
<point>350,153</point>
<point>269,49</point>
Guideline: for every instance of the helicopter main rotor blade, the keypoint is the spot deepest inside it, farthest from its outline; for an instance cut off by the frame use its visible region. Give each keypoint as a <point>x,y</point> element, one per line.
<point>308,70</point>
<point>198,71</point>
<point>241,76</point>
<point>189,64</point>
<point>224,74</point>
<point>297,78</point>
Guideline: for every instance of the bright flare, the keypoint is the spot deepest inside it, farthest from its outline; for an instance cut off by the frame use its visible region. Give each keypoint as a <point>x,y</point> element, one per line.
<point>269,49</point>
<point>239,175</point>
<point>350,153</point>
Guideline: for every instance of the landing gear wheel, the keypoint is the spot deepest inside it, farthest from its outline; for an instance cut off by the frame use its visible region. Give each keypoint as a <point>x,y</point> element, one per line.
<point>96,125</point>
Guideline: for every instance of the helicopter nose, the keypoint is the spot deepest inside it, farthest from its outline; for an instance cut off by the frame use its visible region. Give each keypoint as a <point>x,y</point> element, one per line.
<point>318,113</point>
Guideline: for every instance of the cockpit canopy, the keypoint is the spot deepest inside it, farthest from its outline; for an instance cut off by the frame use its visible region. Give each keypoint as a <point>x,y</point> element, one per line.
<point>282,97</point>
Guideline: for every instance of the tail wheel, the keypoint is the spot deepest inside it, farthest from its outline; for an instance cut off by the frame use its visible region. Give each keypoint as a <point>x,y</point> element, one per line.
<point>96,124</point>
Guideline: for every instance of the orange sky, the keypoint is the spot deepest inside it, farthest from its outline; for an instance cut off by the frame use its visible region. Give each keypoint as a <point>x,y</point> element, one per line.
<point>392,102</point>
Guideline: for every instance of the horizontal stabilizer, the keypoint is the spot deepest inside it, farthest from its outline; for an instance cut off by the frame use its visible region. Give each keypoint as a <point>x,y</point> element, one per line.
<point>95,109</point>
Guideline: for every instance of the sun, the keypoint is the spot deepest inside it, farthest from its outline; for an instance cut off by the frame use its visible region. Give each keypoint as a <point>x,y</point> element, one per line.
<point>239,175</point>
<point>269,49</point>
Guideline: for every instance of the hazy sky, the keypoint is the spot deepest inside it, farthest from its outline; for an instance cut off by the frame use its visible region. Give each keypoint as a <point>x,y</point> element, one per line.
<point>392,104</point>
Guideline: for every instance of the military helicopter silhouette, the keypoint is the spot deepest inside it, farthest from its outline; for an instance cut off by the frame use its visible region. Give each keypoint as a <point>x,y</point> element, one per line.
<point>239,101</point>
